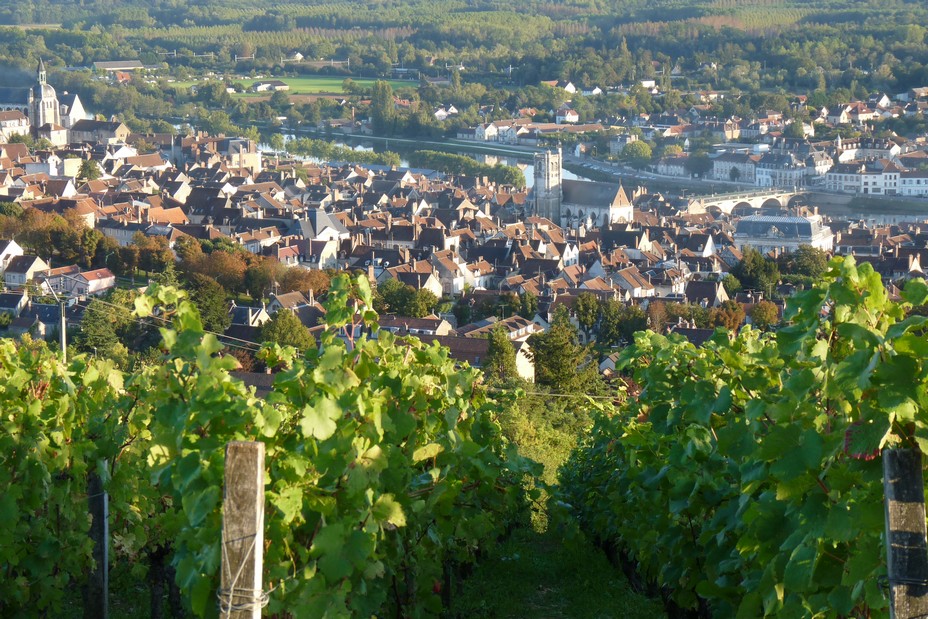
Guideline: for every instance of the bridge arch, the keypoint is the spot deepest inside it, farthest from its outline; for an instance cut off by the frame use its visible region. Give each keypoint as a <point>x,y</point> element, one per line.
<point>742,209</point>
<point>772,203</point>
<point>800,199</point>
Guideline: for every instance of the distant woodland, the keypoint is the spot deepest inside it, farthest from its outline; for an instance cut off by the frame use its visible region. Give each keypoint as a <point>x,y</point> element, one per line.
<point>830,50</point>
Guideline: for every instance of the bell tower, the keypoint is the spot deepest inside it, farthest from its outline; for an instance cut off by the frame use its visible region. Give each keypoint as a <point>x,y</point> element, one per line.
<point>548,194</point>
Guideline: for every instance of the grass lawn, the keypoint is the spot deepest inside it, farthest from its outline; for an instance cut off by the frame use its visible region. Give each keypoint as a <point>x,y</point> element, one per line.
<point>308,85</point>
<point>542,575</point>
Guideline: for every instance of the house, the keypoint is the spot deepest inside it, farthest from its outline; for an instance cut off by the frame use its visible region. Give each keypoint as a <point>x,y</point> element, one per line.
<point>879,176</point>
<point>473,351</point>
<point>270,86</point>
<point>705,293</point>
<point>12,123</point>
<point>734,167</point>
<point>248,316</point>
<point>566,115</point>
<point>13,303</point>
<point>407,325</point>
<point>93,282</point>
<point>562,84</point>
<point>774,232</point>
<point>57,280</point>
<point>8,251</point>
<point>99,131</point>
<point>23,269</point>
<point>633,282</point>
<point>780,170</point>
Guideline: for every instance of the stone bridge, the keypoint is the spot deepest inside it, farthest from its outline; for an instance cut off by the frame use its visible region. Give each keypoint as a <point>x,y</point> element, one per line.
<point>745,200</point>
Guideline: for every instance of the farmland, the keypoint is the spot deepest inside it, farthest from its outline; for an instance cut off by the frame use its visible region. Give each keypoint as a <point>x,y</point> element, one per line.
<point>305,85</point>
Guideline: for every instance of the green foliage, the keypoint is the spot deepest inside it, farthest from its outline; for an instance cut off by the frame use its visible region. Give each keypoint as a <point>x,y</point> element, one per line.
<point>89,170</point>
<point>393,296</point>
<point>561,362</point>
<point>385,464</point>
<point>500,363</point>
<point>285,329</point>
<point>806,261</point>
<point>700,454</point>
<point>211,300</point>
<point>731,284</point>
<point>619,323</point>
<point>367,498</point>
<point>52,439</point>
<point>637,153</point>
<point>756,272</point>
<point>586,307</point>
<point>327,151</point>
<point>764,314</point>
<point>464,165</point>
<point>728,314</point>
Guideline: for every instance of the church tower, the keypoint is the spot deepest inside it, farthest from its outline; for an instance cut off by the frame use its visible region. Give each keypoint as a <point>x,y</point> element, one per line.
<point>44,100</point>
<point>548,191</point>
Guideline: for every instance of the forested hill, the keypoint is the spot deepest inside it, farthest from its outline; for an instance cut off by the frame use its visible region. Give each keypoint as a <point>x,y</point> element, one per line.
<point>765,43</point>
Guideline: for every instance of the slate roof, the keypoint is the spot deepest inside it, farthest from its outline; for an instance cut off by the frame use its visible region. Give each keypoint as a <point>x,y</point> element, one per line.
<point>15,95</point>
<point>589,193</point>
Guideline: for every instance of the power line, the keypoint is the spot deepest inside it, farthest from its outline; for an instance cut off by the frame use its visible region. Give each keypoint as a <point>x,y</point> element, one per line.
<point>141,321</point>
<point>258,347</point>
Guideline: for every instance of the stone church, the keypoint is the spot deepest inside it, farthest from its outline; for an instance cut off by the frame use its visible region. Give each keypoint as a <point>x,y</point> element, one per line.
<point>575,203</point>
<point>41,105</point>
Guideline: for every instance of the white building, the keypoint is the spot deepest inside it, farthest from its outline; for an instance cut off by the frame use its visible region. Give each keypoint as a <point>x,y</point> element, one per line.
<point>767,233</point>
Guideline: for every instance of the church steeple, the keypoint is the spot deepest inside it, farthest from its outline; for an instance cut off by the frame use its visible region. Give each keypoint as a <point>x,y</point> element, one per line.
<point>41,71</point>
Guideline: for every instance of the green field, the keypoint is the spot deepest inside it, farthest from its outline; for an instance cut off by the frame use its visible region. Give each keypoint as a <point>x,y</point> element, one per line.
<point>312,85</point>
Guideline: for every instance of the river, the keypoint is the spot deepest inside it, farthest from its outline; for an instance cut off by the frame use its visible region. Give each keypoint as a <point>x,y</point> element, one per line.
<point>525,164</point>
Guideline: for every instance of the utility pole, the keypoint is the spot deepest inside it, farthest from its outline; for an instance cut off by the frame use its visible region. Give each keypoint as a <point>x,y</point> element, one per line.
<point>64,332</point>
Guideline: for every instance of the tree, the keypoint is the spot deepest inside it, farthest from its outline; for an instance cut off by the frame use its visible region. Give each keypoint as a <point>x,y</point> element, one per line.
<point>696,314</point>
<point>226,267</point>
<point>89,170</point>
<point>657,315</point>
<point>211,300</point>
<point>755,272</point>
<point>500,362</point>
<point>586,308</point>
<point>383,110</point>
<point>729,314</point>
<point>620,323</point>
<point>734,174</point>
<point>287,330</point>
<point>528,305</point>
<point>304,280</point>
<point>276,142</point>
<point>731,284</point>
<point>422,304</point>
<point>698,164</point>
<point>794,130</point>
<point>128,260</point>
<point>393,296</point>
<point>807,261</point>
<point>637,153</point>
<point>561,362</point>
<point>764,314</point>
<point>154,252</point>
<point>260,276</point>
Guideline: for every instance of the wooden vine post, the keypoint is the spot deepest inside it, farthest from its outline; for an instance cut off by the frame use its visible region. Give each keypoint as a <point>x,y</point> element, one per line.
<point>241,595</point>
<point>906,538</point>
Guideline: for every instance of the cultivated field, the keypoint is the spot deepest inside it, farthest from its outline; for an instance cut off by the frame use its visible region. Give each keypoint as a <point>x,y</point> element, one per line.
<point>309,85</point>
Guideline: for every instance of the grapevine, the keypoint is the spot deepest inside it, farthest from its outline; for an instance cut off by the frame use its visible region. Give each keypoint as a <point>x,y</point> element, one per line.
<point>751,458</point>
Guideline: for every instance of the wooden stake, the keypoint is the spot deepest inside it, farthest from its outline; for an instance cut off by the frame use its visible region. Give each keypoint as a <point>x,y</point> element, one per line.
<point>96,594</point>
<point>241,595</point>
<point>906,537</point>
